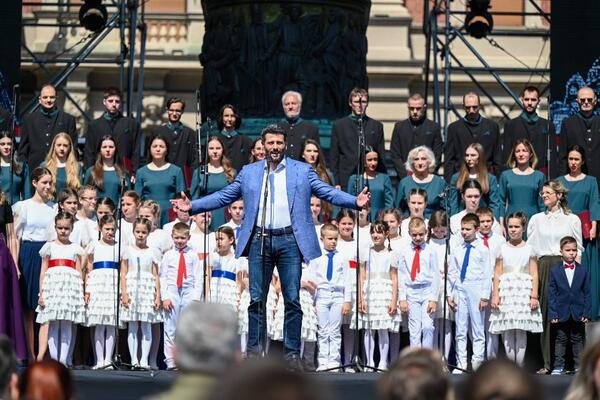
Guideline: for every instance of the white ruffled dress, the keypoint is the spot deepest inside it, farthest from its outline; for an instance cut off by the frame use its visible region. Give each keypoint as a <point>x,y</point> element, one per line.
<point>243,301</point>
<point>141,285</point>
<point>63,287</point>
<point>223,286</point>
<point>102,285</point>
<point>514,289</point>
<point>309,313</point>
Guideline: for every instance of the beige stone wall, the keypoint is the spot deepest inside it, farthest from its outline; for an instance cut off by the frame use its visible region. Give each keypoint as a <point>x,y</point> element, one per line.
<point>395,61</point>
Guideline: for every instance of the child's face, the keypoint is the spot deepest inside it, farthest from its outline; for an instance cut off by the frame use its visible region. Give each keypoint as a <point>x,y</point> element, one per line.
<point>393,224</point>
<point>103,210</point>
<point>146,213</point>
<point>485,223</point>
<point>515,229</point>
<point>88,201</point>
<point>203,220</point>
<point>128,207</point>
<point>471,198</point>
<point>468,230</point>
<point>236,209</point>
<point>346,226</point>
<point>329,239</point>
<point>140,232</point>
<point>569,252</point>
<point>43,186</point>
<point>378,238</point>
<point>70,205</point>
<point>418,234</point>
<point>315,207</point>
<point>224,241</point>
<point>108,231</point>
<point>416,205</point>
<point>363,214</point>
<point>439,232</point>
<point>63,229</point>
<point>180,239</point>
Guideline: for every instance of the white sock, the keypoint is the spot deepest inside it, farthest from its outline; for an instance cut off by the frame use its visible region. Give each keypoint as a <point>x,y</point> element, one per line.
<point>348,343</point>
<point>66,335</point>
<point>72,344</point>
<point>369,347</point>
<point>243,342</point>
<point>110,344</point>
<point>515,343</point>
<point>53,339</point>
<point>384,347</point>
<point>99,344</point>
<point>146,342</point>
<point>132,341</point>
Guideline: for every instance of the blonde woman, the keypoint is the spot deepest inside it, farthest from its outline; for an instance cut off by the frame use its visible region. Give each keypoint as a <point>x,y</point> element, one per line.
<point>62,164</point>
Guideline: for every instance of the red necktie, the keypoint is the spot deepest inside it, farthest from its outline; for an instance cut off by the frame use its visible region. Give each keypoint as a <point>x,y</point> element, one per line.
<point>181,271</point>
<point>416,265</point>
<point>569,266</point>
<point>485,240</point>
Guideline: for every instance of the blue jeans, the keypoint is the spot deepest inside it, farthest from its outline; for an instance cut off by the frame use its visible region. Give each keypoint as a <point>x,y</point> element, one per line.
<point>281,251</point>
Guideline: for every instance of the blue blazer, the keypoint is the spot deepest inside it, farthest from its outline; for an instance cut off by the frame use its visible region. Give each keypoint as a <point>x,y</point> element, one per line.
<point>565,301</point>
<point>302,182</point>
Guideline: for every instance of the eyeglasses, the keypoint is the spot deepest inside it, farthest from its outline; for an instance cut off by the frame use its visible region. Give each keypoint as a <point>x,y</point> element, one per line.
<point>175,111</point>
<point>542,194</point>
<point>586,100</point>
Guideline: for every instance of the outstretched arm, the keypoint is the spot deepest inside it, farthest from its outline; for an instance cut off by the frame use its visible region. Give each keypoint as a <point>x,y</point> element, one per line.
<point>219,199</point>
<point>337,197</point>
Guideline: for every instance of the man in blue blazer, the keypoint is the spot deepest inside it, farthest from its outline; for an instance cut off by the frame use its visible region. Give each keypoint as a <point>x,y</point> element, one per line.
<point>289,233</point>
<point>569,304</point>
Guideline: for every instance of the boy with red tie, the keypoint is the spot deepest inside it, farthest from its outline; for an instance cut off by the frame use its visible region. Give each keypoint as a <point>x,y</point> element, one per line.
<point>569,304</point>
<point>181,282</point>
<point>419,284</point>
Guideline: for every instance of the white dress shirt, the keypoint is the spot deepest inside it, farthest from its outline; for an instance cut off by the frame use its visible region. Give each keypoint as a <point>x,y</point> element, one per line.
<point>428,270</point>
<point>169,268</point>
<point>570,272</point>
<point>317,272</point>
<point>545,230</point>
<point>478,269</point>
<point>278,211</point>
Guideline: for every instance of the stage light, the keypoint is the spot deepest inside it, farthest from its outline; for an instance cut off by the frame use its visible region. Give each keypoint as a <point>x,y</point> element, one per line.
<point>93,15</point>
<point>479,22</point>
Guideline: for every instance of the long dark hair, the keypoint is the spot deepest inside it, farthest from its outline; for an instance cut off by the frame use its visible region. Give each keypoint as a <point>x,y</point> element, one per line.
<point>97,176</point>
<point>16,165</point>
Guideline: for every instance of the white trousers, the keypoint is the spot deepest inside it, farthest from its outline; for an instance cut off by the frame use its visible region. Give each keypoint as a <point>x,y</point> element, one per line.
<point>420,323</point>
<point>180,298</point>
<point>467,299</point>
<point>329,335</point>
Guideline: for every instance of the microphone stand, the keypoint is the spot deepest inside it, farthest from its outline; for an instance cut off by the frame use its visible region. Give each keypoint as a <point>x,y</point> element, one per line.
<point>262,333</point>
<point>203,171</point>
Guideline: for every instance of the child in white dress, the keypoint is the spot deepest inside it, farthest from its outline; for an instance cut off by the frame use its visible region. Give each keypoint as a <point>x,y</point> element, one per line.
<point>61,296</point>
<point>379,291</point>
<point>515,304</point>
<point>101,291</point>
<point>140,292</point>
<point>223,285</point>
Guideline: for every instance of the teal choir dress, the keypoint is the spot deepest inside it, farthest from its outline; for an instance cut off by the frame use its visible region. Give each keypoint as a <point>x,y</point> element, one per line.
<point>435,189</point>
<point>582,196</point>
<point>61,180</point>
<point>19,187</point>
<point>490,199</point>
<point>112,185</point>
<point>380,187</point>
<point>160,186</point>
<point>521,193</point>
<point>216,181</point>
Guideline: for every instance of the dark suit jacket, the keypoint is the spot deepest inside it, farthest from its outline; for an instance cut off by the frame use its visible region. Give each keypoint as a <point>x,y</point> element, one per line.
<point>574,131</point>
<point>406,136</point>
<point>296,136</point>
<point>344,146</point>
<point>461,135</point>
<point>565,301</point>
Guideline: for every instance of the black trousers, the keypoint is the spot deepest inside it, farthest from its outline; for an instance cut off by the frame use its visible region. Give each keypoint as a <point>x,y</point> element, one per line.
<point>569,332</point>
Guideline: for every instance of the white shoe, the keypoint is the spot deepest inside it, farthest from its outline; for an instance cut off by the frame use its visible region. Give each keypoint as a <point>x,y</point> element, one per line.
<point>457,371</point>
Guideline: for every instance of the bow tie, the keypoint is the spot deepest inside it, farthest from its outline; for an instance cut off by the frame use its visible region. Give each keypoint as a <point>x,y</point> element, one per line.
<point>569,266</point>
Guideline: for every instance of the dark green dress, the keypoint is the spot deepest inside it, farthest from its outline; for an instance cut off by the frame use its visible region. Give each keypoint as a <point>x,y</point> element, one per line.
<point>20,187</point>
<point>160,186</point>
<point>433,188</point>
<point>216,181</point>
<point>380,187</point>
<point>111,186</point>
<point>490,199</point>
<point>582,196</point>
<point>521,193</point>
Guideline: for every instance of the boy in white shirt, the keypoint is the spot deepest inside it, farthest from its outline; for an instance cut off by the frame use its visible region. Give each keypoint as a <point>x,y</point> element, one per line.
<point>470,281</point>
<point>181,282</point>
<point>419,284</point>
<point>329,273</point>
<point>236,211</point>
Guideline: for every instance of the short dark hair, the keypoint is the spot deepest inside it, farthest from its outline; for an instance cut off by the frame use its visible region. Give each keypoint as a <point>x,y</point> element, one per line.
<point>172,100</point>
<point>490,382</point>
<point>273,129</point>
<point>530,88</point>
<point>470,218</point>
<point>485,211</point>
<point>567,240</point>
<point>112,91</point>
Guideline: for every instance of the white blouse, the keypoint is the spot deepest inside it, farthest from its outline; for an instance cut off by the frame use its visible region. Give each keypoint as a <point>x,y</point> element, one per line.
<point>545,230</point>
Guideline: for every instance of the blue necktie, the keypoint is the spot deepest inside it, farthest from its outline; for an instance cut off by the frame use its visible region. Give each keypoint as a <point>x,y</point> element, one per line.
<point>237,231</point>
<point>330,265</point>
<point>465,264</point>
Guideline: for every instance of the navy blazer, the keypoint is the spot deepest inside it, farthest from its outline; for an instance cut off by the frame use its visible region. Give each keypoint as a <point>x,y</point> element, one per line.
<point>565,301</point>
<point>301,181</point>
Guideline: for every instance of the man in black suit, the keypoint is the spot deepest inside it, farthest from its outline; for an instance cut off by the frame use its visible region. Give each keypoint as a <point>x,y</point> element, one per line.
<point>40,127</point>
<point>183,141</point>
<point>297,129</point>
<point>415,131</point>
<point>5,120</point>
<point>345,137</point>
<point>126,131</point>
<point>473,128</point>
<point>582,129</point>
<point>538,131</point>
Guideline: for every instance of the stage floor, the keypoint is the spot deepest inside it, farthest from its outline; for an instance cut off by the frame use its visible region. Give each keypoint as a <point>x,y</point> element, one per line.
<point>116,385</point>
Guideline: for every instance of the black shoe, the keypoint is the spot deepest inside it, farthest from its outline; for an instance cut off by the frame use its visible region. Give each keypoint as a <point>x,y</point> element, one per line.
<point>294,364</point>
<point>309,366</point>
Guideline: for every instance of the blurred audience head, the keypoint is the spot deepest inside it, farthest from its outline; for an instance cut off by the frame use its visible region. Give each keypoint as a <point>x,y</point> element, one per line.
<point>586,385</point>
<point>8,372</point>
<point>47,380</point>
<point>417,375</point>
<point>264,379</point>
<point>501,379</point>
<point>206,338</point>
